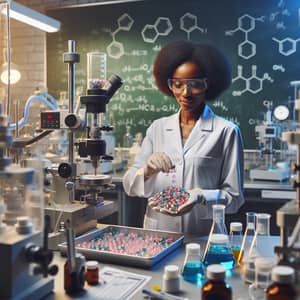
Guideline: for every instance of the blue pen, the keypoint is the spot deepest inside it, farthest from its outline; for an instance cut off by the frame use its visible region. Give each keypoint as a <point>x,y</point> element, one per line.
<point>162,295</point>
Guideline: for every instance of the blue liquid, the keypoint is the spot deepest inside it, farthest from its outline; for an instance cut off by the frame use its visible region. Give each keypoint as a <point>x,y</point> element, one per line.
<point>193,272</point>
<point>218,254</point>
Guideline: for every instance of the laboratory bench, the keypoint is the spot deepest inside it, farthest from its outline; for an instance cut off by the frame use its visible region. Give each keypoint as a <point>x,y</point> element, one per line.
<point>260,196</point>
<point>188,290</point>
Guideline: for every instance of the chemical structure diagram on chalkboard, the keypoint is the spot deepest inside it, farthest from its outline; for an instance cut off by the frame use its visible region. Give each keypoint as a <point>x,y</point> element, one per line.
<point>246,24</point>
<point>253,83</point>
<point>150,33</point>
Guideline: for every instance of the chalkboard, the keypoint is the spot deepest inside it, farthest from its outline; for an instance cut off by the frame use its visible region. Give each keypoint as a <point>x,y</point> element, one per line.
<point>260,38</point>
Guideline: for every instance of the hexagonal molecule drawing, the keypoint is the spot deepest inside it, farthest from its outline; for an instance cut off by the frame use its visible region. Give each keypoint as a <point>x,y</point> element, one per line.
<point>161,27</point>
<point>189,23</point>
<point>246,24</point>
<point>116,49</point>
<point>252,84</point>
<point>287,46</point>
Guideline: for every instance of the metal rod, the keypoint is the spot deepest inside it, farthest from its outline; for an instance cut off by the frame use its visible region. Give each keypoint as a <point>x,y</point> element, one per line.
<point>71,88</point>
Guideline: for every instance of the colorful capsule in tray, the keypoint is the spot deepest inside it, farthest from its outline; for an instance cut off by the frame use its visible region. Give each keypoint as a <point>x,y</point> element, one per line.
<point>123,241</point>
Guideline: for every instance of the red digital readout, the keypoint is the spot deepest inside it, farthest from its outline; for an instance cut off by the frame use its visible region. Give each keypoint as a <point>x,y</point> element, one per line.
<point>50,117</point>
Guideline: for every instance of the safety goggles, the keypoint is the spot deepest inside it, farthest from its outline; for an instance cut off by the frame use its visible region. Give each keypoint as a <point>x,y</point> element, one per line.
<point>195,85</point>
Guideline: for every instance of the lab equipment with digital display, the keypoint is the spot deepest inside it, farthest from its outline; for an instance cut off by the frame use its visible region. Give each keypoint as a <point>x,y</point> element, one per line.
<point>267,133</point>
<point>84,212</point>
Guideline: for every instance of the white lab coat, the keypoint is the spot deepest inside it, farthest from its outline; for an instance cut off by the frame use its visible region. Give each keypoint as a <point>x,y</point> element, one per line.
<point>211,159</point>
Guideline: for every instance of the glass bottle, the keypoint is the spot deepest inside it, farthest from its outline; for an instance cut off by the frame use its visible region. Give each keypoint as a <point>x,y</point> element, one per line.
<point>218,250</point>
<point>263,268</point>
<point>127,138</point>
<point>282,287</point>
<point>235,238</point>
<point>216,287</point>
<point>92,272</point>
<point>193,270</point>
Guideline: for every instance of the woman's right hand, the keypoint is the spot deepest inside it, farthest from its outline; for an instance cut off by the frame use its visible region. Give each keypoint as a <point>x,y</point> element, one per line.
<point>158,162</point>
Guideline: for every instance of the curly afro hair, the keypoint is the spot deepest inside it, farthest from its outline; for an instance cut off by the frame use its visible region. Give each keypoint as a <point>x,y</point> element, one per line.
<point>210,60</point>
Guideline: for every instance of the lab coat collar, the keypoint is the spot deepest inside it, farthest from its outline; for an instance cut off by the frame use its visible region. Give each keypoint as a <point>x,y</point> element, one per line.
<point>202,128</point>
<point>206,120</point>
<point>203,125</point>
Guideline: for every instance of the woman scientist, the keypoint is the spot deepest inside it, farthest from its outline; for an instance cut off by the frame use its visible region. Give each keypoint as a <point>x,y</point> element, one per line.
<point>204,150</point>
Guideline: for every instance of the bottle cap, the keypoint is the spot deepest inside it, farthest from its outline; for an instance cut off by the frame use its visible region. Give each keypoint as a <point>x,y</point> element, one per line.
<point>171,271</point>
<point>218,238</point>
<point>91,264</point>
<point>216,272</point>
<point>236,226</point>
<point>283,274</point>
<point>193,248</point>
<point>264,264</point>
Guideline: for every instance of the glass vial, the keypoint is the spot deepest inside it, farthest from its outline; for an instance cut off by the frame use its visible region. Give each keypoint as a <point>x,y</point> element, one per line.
<point>193,270</point>
<point>263,268</point>
<point>127,138</point>
<point>235,239</point>
<point>282,287</point>
<point>216,287</point>
<point>171,279</point>
<point>96,70</point>
<point>92,272</point>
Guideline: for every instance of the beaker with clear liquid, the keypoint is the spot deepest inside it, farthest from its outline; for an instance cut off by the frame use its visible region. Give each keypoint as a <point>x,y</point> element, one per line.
<point>218,250</point>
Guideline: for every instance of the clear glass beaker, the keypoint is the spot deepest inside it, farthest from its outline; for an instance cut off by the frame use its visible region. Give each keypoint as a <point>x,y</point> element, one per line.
<point>193,270</point>
<point>96,70</point>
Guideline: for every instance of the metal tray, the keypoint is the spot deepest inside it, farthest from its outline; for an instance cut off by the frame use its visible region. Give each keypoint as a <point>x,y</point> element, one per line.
<point>125,259</point>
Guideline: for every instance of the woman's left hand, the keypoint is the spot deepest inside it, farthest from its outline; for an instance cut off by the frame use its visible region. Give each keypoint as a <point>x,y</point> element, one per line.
<point>195,197</point>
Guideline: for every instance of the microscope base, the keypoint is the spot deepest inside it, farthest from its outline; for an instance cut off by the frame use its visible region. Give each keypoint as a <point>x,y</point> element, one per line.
<point>16,279</point>
<point>82,218</point>
<point>275,174</point>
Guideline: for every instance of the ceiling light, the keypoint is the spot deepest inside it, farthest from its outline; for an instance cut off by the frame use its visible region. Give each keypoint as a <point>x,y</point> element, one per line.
<point>31,17</point>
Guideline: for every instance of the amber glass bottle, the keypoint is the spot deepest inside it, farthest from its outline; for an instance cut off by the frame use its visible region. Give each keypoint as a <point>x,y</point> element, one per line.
<point>216,287</point>
<point>282,286</point>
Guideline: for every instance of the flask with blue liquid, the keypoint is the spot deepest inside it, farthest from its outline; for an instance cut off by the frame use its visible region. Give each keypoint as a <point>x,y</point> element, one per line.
<point>218,249</point>
<point>193,270</point>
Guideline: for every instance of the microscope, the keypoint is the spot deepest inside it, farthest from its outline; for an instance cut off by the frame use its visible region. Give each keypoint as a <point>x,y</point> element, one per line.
<point>83,213</point>
<point>266,134</point>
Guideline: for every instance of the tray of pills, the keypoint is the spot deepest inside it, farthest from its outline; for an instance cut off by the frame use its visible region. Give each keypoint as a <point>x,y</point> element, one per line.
<point>126,245</point>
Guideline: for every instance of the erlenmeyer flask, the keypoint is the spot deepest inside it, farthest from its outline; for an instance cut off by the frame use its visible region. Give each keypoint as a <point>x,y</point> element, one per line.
<point>218,250</point>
